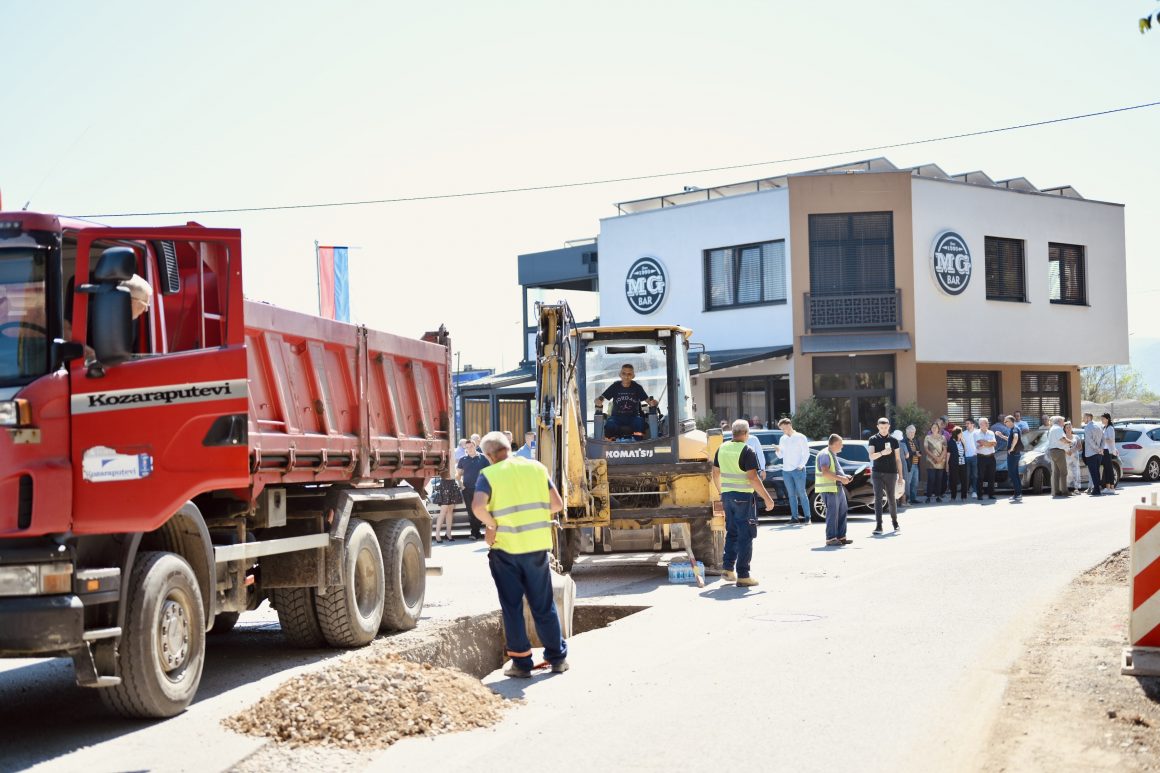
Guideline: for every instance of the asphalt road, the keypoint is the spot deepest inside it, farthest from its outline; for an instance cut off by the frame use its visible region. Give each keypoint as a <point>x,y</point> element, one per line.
<point>889,654</point>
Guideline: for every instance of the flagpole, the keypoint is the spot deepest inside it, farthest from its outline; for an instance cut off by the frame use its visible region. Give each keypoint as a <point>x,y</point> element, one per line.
<point>318,276</point>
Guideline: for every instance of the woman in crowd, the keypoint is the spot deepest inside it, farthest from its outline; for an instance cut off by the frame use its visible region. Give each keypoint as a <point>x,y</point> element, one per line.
<point>934,445</point>
<point>911,453</point>
<point>957,467</point>
<point>1074,453</point>
<point>1109,472</point>
<point>446,494</point>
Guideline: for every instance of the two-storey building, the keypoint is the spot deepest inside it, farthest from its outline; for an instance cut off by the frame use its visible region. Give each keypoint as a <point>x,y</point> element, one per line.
<point>865,285</point>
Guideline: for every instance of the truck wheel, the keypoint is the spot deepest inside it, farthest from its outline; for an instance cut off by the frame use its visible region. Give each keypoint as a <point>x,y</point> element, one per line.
<point>349,614</point>
<point>406,574</point>
<point>163,647</point>
<point>569,542</point>
<point>298,617</point>
<point>224,622</point>
<point>705,548</point>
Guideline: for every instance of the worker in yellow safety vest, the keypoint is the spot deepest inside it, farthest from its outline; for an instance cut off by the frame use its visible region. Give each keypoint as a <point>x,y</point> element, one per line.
<point>830,481</point>
<point>735,475</point>
<point>515,500</point>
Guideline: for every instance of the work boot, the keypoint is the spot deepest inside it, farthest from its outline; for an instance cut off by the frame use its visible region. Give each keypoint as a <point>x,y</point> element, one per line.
<point>515,672</point>
<point>729,575</point>
<point>746,582</point>
<point>833,542</point>
<point>561,667</point>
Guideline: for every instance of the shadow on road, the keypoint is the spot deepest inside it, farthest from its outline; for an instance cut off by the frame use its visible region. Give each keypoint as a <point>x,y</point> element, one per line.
<point>41,705</point>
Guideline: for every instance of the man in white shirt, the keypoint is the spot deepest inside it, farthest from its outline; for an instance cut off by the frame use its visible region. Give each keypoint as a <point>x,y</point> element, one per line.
<point>985,445</point>
<point>1057,456</point>
<point>794,450</point>
<point>970,436</point>
<point>755,444</point>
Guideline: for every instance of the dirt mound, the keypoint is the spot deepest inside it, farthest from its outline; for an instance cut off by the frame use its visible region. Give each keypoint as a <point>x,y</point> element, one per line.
<point>370,702</point>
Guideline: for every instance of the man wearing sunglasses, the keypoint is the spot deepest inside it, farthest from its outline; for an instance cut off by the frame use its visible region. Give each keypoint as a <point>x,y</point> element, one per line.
<point>887,463</point>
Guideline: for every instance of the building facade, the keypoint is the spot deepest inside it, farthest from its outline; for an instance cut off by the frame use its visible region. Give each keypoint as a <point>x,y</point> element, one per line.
<point>866,286</point>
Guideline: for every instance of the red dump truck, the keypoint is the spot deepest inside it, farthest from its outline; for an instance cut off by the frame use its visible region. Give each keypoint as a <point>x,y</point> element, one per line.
<point>164,469</point>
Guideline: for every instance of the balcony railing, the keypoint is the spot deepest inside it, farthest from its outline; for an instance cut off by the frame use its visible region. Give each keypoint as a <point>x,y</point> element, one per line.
<point>882,311</point>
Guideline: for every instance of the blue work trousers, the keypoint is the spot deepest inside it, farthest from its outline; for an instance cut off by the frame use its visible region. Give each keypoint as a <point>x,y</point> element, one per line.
<point>740,529</point>
<point>619,424</point>
<point>795,491</point>
<point>836,510</point>
<point>517,576</point>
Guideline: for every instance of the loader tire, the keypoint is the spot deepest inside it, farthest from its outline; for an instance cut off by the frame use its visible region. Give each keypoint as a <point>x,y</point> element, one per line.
<point>406,575</point>
<point>569,542</point>
<point>706,547</point>
<point>349,614</point>
<point>298,617</point>
<point>162,649</point>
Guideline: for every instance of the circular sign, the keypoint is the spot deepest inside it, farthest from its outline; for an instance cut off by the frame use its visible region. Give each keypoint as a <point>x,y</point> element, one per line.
<point>951,261</point>
<point>645,285</point>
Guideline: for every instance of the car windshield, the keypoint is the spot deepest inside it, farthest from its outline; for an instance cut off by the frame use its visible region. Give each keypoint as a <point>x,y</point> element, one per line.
<point>23,322</point>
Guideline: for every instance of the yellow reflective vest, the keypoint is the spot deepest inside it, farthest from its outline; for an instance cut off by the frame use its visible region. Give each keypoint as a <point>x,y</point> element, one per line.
<point>520,502</point>
<point>825,485</point>
<point>733,478</point>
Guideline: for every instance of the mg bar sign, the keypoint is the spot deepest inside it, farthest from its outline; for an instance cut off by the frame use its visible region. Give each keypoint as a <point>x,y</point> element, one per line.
<point>645,285</point>
<point>951,261</point>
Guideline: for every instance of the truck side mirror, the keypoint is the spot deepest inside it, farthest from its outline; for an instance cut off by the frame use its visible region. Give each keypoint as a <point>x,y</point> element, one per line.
<point>111,309</point>
<point>64,352</point>
<point>704,363</point>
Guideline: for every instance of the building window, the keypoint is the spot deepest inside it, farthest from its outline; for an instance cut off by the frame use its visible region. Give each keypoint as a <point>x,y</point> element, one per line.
<point>852,253</point>
<point>748,275</point>
<point>763,397</point>
<point>1044,394</point>
<point>971,395</point>
<point>1006,275</point>
<point>1066,274</point>
<point>856,390</point>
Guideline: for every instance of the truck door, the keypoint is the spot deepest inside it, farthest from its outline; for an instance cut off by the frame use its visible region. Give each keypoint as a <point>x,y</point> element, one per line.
<point>151,433</point>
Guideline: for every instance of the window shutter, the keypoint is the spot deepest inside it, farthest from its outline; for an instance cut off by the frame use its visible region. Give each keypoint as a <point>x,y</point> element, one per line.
<point>749,275</point>
<point>1066,278</point>
<point>720,278</point>
<point>1004,269</point>
<point>971,395</point>
<point>773,267</point>
<point>852,253</point>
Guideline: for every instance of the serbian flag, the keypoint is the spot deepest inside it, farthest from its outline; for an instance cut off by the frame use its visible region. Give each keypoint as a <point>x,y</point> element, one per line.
<point>333,283</point>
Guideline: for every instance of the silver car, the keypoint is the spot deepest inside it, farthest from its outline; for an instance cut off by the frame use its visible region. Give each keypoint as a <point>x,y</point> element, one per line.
<point>1035,469</point>
<point>1139,447</point>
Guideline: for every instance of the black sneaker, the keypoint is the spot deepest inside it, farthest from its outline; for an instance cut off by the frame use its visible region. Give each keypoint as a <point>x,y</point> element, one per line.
<point>877,530</point>
<point>897,527</point>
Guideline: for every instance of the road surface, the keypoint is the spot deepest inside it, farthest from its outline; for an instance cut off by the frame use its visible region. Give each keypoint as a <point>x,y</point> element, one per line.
<point>889,654</point>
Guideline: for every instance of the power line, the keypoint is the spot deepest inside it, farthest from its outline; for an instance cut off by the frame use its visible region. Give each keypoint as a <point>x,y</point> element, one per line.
<point>635,178</point>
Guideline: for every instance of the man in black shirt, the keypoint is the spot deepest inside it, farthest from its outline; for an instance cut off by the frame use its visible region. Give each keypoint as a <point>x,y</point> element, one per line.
<point>626,396</point>
<point>887,462</point>
<point>468,469</point>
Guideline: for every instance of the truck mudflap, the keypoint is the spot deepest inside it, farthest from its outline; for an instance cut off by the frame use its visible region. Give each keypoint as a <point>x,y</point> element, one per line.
<point>41,625</point>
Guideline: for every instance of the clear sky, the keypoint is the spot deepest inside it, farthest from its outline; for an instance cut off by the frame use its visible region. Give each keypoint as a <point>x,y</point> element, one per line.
<point>130,106</point>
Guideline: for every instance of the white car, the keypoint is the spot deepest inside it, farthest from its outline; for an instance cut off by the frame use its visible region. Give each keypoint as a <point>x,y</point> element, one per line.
<point>1139,447</point>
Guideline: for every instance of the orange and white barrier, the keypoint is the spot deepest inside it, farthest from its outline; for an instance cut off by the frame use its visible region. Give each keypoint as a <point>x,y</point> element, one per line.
<point>1142,658</point>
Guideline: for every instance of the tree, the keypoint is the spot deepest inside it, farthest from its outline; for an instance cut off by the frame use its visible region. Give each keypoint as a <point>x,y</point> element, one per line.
<point>813,419</point>
<point>708,422</point>
<point>911,413</point>
<point>1104,383</point>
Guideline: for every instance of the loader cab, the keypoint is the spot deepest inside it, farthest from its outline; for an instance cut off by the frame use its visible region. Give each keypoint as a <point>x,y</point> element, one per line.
<point>659,358</point>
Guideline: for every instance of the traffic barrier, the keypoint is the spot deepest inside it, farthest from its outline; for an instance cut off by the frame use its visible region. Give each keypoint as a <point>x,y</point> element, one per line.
<point>1142,657</point>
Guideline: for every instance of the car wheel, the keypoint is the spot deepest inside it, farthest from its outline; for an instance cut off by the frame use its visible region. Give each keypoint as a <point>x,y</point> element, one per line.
<point>818,506</point>
<point>1152,470</point>
<point>1038,482</point>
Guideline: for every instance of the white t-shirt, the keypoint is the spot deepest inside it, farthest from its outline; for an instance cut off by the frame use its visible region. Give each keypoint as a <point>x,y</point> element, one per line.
<point>755,444</point>
<point>794,451</point>
<point>985,450</point>
<point>970,437</point>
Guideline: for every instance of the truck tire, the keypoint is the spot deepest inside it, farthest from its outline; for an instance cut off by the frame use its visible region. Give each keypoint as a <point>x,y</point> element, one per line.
<point>705,545</point>
<point>224,622</point>
<point>349,614</point>
<point>162,649</point>
<point>298,617</point>
<point>569,542</point>
<point>406,575</point>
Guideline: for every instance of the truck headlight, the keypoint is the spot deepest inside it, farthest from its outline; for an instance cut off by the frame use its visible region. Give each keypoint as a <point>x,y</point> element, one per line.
<point>35,579</point>
<point>15,413</point>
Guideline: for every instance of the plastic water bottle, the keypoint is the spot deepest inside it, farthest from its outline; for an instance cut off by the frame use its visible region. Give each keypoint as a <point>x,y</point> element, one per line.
<point>672,573</point>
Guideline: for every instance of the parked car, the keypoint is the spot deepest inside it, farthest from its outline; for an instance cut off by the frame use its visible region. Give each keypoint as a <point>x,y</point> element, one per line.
<point>1035,469</point>
<point>855,462</point>
<point>1137,420</point>
<point>1139,447</point>
<point>767,437</point>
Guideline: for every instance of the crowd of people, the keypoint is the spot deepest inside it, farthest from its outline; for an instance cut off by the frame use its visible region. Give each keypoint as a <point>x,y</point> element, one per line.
<point>469,460</point>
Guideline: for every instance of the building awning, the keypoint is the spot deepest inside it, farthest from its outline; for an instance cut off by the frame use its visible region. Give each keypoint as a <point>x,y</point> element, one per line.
<point>731,358</point>
<point>844,343</point>
<point>520,380</point>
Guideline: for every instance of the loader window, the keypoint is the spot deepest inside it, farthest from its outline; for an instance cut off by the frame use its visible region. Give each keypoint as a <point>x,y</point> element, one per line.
<point>602,369</point>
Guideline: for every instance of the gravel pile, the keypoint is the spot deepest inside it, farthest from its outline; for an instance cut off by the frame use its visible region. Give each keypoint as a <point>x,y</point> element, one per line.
<point>370,702</point>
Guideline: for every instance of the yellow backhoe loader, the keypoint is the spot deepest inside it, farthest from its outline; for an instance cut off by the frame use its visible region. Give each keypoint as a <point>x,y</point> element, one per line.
<point>621,479</point>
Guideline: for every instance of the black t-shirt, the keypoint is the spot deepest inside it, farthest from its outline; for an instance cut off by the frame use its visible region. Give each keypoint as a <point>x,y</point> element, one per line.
<point>626,400</point>
<point>748,460</point>
<point>878,444</point>
<point>471,465</point>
